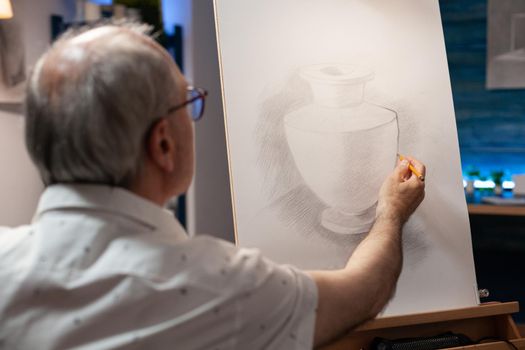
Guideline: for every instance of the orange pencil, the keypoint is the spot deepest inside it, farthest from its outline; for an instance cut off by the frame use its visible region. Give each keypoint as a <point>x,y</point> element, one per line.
<point>412,169</point>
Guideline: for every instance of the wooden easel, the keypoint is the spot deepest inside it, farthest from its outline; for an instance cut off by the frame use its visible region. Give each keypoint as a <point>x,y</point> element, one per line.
<point>487,320</point>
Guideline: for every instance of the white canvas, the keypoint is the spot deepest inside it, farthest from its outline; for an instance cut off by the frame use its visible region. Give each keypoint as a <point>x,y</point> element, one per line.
<point>319,98</point>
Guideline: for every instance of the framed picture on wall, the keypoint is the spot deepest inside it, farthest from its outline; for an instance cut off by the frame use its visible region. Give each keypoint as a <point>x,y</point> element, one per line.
<point>12,62</point>
<point>506,44</point>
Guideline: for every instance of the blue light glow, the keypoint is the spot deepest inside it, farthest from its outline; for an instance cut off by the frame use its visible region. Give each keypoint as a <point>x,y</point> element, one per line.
<point>169,16</point>
<point>176,12</point>
<point>102,2</point>
<point>484,184</point>
<point>488,184</point>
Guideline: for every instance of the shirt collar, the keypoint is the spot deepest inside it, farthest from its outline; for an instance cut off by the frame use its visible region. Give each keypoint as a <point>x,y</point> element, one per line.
<point>114,200</point>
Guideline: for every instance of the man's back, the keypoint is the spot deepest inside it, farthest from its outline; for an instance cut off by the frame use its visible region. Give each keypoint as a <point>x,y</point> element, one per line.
<point>102,268</point>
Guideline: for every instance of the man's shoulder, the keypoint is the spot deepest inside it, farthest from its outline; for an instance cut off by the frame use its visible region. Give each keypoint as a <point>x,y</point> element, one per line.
<point>11,237</point>
<point>218,248</point>
<point>215,259</point>
<point>4,230</point>
<point>217,262</point>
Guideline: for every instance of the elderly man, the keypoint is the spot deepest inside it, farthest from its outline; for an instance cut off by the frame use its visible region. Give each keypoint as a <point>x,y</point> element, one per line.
<point>104,266</point>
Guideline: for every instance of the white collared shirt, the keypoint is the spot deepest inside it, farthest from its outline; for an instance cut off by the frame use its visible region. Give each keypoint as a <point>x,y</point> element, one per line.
<point>101,268</point>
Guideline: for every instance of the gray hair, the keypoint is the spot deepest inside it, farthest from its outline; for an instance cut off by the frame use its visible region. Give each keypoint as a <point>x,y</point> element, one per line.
<point>89,105</point>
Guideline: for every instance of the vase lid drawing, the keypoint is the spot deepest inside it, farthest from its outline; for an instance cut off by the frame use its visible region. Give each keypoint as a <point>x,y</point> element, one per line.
<point>337,84</point>
<point>338,73</point>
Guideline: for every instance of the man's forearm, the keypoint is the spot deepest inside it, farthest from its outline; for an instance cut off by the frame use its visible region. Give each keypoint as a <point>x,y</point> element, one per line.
<point>378,261</point>
<point>352,295</point>
<point>358,292</point>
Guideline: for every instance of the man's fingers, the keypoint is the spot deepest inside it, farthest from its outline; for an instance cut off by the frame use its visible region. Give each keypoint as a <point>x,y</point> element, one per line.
<point>420,167</point>
<point>413,183</point>
<point>402,172</point>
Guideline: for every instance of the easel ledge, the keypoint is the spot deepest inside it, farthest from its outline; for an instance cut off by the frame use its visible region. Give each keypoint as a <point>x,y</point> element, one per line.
<point>486,320</point>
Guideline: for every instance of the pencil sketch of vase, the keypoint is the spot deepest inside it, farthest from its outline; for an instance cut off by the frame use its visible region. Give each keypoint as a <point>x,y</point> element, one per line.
<point>343,146</point>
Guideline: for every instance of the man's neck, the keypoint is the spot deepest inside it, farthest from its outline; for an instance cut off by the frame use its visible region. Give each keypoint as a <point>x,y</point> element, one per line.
<point>152,188</point>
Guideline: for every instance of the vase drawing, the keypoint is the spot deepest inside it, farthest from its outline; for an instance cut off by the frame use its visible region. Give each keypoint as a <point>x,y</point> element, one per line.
<point>343,146</point>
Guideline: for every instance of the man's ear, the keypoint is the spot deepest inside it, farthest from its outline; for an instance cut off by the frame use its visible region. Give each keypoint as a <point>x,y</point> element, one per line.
<point>160,146</point>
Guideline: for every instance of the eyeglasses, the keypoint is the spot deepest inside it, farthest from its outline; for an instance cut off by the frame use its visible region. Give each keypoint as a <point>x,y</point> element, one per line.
<point>194,103</point>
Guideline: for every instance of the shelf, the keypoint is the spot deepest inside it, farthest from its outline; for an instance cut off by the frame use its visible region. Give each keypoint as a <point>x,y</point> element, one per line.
<point>483,310</point>
<point>505,210</point>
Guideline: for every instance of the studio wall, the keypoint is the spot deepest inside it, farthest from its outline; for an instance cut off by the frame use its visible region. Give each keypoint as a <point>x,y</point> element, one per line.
<point>20,185</point>
<point>491,123</point>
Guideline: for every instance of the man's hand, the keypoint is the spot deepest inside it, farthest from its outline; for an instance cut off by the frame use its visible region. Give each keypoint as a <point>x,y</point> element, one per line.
<point>358,292</point>
<point>402,192</point>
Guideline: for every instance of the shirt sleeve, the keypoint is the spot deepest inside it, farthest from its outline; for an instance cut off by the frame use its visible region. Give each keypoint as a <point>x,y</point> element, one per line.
<point>277,308</point>
<point>269,306</point>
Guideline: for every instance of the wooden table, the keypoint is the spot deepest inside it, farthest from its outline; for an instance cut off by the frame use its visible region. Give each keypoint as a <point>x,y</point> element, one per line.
<point>504,210</point>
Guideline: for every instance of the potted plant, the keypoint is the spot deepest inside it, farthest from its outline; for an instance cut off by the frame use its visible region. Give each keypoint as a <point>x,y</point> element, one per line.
<point>473,173</point>
<point>497,177</point>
